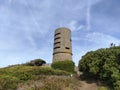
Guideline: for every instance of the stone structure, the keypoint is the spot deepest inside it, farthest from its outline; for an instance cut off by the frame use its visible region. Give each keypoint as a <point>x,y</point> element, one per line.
<point>62,45</point>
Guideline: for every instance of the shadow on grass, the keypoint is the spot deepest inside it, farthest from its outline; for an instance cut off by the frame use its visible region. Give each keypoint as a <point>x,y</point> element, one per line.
<point>90,79</point>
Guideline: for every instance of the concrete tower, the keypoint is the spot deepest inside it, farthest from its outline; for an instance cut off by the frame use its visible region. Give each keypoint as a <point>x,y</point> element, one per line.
<point>62,45</point>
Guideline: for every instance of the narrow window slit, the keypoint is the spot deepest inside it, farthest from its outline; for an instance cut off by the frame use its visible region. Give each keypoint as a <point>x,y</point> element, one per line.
<point>67,48</point>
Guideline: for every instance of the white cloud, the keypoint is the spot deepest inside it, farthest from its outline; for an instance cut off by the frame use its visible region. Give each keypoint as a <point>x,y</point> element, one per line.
<point>101,39</point>
<point>73,25</point>
<point>26,25</point>
<point>88,15</point>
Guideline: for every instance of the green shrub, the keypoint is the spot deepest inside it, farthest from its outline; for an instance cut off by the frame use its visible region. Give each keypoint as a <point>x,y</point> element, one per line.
<point>64,65</point>
<point>104,65</point>
<point>36,62</point>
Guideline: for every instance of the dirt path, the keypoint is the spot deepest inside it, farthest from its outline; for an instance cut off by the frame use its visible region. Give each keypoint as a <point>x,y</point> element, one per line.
<point>85,85</point>
<point>88,86</point>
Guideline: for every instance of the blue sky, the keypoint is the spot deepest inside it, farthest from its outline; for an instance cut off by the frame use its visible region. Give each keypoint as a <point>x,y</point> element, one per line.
<point>27,27</point>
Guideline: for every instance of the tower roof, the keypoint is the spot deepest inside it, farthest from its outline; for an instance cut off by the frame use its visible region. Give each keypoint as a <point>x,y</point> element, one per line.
<point>62,28</point>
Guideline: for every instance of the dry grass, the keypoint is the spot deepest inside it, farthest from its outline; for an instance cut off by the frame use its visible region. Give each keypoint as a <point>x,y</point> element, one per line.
<point>51,83</point>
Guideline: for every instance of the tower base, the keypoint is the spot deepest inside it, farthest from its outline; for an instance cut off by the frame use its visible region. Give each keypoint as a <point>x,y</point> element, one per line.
<point>62,57</point>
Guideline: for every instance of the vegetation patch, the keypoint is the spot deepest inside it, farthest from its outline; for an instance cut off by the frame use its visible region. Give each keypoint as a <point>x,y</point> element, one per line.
<point>102,88</point>
<point>103,64</point>
<point>10,77</point>
<point>64,65</point>
<point>35,62</point>
<point>51,83</point>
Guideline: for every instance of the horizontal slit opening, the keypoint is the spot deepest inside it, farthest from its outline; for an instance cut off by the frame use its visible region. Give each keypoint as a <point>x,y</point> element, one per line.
<point>67,48</point>
<point>56,43</point>
<point>57,38</point>
<point>56,47</point>
<point>57,34</point>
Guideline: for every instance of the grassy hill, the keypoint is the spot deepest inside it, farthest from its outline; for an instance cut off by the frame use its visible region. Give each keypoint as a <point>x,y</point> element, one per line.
<point>41,78</point>
<point>11,77</point>
<point>102,65</point>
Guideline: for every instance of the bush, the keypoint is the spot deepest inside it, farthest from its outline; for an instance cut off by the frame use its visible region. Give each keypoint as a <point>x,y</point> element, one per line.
<point>104,65</point>
<point>64,65</point>
<point>36,62</point>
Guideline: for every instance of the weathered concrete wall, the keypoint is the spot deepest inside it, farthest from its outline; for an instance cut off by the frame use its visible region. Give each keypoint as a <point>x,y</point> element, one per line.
<point>62,45</point>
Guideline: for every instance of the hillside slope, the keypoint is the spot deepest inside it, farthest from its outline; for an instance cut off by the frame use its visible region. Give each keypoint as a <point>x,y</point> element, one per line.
<point>54,82</point>
<point>41,78</point>
<point>51,82</point>
<point>10,77</point>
